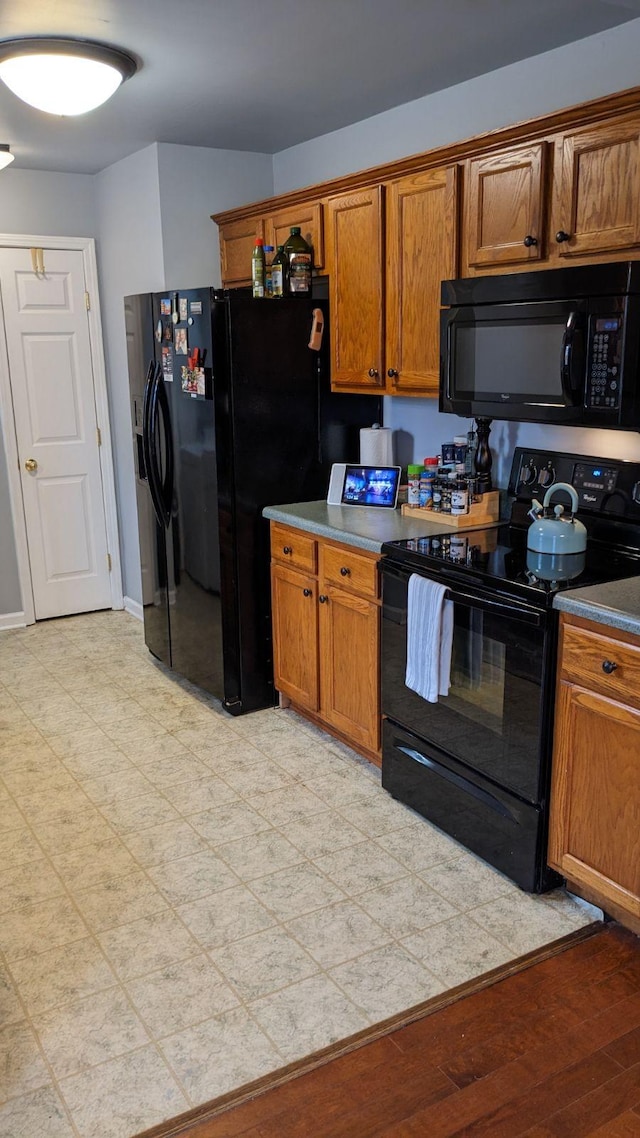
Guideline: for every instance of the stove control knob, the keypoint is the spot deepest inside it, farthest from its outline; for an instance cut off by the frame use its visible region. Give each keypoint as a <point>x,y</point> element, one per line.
<point>528,474</point>
<point>547,476</point>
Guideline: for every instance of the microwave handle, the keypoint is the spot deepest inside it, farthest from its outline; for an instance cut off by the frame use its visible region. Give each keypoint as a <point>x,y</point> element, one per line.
<point>569,366</point>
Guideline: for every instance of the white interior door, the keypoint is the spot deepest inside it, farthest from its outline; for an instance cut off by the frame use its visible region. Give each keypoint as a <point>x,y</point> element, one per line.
<point>50,366</point>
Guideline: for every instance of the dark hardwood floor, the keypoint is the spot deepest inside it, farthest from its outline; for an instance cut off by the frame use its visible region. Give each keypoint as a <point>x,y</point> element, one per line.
<point>552,1051</point>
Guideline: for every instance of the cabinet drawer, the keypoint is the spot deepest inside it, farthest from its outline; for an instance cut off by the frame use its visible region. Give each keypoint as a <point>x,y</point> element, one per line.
<point>341,566</point>
<point>292,547</point>
<point>587,659</point>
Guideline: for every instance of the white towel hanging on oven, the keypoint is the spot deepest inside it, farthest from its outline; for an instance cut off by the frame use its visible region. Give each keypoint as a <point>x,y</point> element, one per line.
<point>429,638</point>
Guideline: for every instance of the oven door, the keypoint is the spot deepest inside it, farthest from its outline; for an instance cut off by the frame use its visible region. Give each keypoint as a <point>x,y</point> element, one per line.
<point>497,718</point>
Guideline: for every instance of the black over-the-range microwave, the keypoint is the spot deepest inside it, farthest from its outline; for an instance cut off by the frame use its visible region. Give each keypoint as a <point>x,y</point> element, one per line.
<point>555,346</point>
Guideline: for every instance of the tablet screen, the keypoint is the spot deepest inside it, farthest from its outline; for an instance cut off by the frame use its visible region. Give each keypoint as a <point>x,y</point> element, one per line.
<point>371,486</point>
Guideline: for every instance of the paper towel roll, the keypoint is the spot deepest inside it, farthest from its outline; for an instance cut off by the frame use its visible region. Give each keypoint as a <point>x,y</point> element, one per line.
<point>376,446</point>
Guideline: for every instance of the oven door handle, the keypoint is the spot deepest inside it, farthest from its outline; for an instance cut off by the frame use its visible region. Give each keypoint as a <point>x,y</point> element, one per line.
<point>457,780</point>
<point>516,611</point>
<point>513,611</point>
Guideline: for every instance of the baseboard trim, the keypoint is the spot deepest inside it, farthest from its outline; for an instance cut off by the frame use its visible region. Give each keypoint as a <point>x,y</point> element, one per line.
<point>12,620</point>
<point>134,608</point>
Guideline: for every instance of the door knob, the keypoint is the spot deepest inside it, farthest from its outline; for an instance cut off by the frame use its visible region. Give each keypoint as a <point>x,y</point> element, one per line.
<point>31,465</point>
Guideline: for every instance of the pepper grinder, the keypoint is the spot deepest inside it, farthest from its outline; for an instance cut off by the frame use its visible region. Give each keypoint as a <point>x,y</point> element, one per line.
<point>483,460</point>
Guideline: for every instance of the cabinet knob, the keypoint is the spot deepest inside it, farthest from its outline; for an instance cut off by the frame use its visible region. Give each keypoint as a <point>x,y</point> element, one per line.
<point>373,371</point>
<point>562,236</point>
<point>609,666</point>
<point>529,241</point>
<point>344,572</point>
<point>323,600</point>
<point>392,373</point>
<point>306,592</point>
<point>287,549</point>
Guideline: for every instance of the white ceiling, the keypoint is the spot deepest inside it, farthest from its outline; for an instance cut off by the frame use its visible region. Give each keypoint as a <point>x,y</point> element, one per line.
<point>263,75</point>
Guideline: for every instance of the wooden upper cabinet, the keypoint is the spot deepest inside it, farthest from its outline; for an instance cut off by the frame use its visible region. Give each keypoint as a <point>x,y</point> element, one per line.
<point>598,197</point>
<point>237,240</point>
<point>505,203</point>
<point>355,239</point>
<point>309,218</point>
<point>422,251</point>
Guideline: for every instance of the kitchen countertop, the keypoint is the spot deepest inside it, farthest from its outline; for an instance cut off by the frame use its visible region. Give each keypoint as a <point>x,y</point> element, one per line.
<point>616,604</point>
<point>366,527</point>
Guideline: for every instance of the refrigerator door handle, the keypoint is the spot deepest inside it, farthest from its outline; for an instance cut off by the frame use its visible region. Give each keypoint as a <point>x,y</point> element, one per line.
<point>167,481</point>
<point>146,441</point>
<point>155,478</point>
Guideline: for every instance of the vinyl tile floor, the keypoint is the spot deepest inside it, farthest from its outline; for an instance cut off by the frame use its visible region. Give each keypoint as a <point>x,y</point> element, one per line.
<point>189,901</point>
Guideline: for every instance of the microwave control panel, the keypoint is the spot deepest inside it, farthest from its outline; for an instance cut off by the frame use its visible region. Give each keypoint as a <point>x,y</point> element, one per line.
<point>603,388</point>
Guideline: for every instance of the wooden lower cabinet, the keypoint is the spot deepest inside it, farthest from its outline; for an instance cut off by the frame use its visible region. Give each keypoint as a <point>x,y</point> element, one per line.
<point>326,638</point>
<point>594,838</point>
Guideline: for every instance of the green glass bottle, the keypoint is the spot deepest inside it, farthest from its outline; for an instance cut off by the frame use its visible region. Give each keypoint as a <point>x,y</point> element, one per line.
<point>258,268</point>
<point>299,255</point>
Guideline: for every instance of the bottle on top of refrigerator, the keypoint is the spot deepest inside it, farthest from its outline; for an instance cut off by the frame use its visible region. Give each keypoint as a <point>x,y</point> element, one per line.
<point>299,254</point>
<point>279,273</point>
<point>258,268</point>
<point>268,270</point>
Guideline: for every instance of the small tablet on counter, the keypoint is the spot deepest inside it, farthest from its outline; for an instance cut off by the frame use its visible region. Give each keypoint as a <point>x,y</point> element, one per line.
<point>353,485</point>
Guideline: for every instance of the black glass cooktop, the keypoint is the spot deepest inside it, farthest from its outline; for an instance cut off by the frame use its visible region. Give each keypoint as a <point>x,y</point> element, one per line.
<point>498,559</point>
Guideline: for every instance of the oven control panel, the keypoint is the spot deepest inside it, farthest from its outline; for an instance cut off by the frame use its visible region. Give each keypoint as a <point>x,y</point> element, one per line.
<point>603,485</point>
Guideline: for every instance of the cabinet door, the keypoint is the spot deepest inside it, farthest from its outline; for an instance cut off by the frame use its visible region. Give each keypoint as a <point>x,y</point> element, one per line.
<point>355,275</point>
<point>295,636</point>
<point>505,207</point>
<point>349,666</point>
<point>309,218</point>
<point>422,251</point>
<point>237,240</point>
<point>594,834</point>
<point>599,199</point>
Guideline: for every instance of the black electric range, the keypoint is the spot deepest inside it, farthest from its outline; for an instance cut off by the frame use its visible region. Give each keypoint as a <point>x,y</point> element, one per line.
<point>497,558</point>
<point>477,761</point>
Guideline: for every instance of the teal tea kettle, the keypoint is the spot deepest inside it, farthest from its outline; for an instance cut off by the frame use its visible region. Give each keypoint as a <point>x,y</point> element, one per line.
<point>556,532</point>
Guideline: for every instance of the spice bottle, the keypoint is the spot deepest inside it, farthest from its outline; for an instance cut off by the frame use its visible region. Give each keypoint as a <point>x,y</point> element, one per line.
<point>426,487</point>
<point>279,273</point>
<point>460,497</point>
<point>413,480</point>
<point>258,268</point>
<point>299,255</point>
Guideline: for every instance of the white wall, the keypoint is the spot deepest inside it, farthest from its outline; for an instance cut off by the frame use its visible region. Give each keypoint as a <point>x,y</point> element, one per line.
<point>194,183</point>
<point>40,203</point>
<point>130,260</point>
<point>573,74</point>
<point>155,233</point>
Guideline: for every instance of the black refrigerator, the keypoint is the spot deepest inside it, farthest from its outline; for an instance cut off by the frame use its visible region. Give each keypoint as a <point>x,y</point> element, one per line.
<point>231,411</point>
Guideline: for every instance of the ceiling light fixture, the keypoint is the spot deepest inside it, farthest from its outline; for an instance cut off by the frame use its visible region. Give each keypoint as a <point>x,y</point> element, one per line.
<point>6,157</point>
<point>63,76</point>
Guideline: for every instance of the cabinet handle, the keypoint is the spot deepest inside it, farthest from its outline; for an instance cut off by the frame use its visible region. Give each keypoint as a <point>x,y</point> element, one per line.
<point>529,241</point>
<point>323,600</point>
<point>373,371</point>
<point>562,236</point>
<point>608,666</point>
<point>306,592</point>
<point>392,373</point>
<point>287,549</point>
<point>344,572</point>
